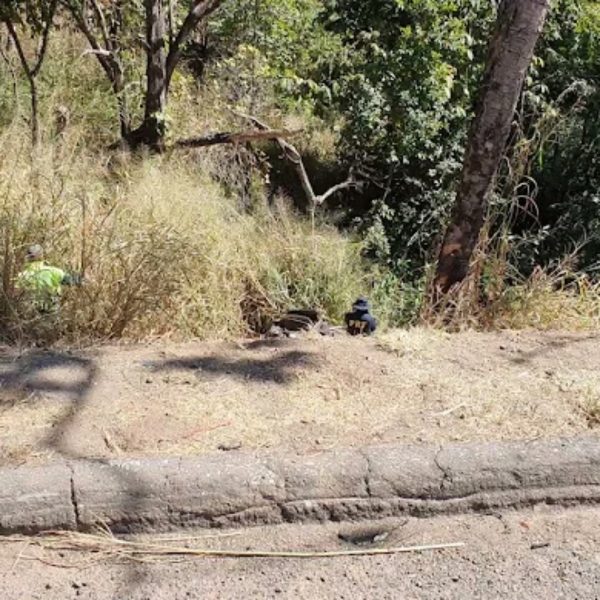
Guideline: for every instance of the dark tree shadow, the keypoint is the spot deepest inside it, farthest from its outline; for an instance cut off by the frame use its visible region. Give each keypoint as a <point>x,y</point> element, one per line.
<point>24,376</point>
<point>557,343</point>
<point>279,369</point>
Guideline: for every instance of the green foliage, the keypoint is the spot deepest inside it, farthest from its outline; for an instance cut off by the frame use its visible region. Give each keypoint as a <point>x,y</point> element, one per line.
<point>567,166</point>
<point>71,79</point>
<point>277,44</point>
<point>34,13</point>
<point>546,203</point>
<point>405,84</point>
<point>385,86</point>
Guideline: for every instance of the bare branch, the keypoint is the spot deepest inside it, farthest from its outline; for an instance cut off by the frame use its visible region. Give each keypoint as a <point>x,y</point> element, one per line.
<point>292,154</point>
<point>102,22</point>
<point>35,130</point>
<point>234,138</point>
<point>109,57</point>
<point>350,183</point>
<point>100,51</point>
<point>41,53</point>
<point>103,55</point>
<point>17,42</point>
<point>200,10</point>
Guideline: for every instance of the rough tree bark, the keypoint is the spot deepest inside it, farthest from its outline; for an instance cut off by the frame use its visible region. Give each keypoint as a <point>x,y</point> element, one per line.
<point>152,130</point>
<point>161,65</point>
<point>518,27</point>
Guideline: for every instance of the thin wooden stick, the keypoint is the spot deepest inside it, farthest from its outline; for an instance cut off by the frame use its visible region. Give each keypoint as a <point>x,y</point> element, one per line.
<point>20,555</point>
<point>165,550</point>
<point>208,536</point>
<point>106,544</point>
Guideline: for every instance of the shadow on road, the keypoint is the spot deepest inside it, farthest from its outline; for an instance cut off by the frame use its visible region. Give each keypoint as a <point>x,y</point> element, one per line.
<point>25,375</point>
<point>26,378</point>
<point>35,375</point>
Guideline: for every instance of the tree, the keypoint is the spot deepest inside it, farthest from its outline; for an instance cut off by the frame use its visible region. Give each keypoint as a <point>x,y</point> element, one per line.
<point>38,16</point>
<point>102,25</point>
<point>103,28</point>
<point>403,82</point>
<point>518,28</point>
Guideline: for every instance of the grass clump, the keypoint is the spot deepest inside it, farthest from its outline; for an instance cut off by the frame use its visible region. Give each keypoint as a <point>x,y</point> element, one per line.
<point>552,299</point>
<point>591,409</point>
<point>556,297</point>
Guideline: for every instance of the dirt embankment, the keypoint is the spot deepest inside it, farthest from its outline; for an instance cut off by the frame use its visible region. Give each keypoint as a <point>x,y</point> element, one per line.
<point>303,394</point>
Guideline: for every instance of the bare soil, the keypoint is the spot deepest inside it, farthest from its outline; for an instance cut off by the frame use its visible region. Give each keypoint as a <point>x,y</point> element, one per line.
<point>302,395</point>
<point>541,553</point>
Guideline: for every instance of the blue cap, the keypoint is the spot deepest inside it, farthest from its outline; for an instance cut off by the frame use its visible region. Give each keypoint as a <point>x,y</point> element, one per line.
<point>361,304</point>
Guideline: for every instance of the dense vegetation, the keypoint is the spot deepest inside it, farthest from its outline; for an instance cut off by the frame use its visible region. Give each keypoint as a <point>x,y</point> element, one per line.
<point>209,241</point>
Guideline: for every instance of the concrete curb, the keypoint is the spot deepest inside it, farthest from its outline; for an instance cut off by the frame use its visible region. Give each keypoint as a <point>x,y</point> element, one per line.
<point>255,488</point>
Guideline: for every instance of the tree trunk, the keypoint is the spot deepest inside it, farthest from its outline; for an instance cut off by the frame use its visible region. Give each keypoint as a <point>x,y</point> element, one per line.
<point>104,41</point>
<point>118,83</point>
<point>35,119</point>
<point>518,28</point>
<point>151,132</point>
<point>118,86</point>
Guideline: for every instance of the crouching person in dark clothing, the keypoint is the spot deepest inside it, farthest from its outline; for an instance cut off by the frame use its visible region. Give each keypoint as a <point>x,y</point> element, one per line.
<point>360,321</point>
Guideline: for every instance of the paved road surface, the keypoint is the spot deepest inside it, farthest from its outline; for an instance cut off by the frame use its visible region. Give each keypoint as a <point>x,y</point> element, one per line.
<point>542,553</point>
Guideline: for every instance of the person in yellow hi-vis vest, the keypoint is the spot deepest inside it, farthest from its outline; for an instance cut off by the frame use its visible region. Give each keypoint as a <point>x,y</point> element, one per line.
<point>41,282</point>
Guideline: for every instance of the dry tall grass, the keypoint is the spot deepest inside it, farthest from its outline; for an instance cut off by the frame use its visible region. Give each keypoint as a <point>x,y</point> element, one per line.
<point>165,247</point>
<point>162,248</point>
<point>496,296</point>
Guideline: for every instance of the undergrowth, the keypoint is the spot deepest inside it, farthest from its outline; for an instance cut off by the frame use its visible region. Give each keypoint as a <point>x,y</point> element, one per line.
<point>189,245</point>
<point>162,249</point>
<point>557,297</point>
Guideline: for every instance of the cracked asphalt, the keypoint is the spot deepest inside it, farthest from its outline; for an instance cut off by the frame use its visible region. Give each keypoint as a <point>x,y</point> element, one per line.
<point>543,552</point>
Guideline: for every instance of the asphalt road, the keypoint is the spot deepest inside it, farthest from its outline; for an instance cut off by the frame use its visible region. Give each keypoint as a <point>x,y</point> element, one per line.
<point>541,553</point>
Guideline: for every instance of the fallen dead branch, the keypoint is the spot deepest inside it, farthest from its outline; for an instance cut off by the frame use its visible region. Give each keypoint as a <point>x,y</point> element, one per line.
<point>105,545</point>
<point>235,138</point>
